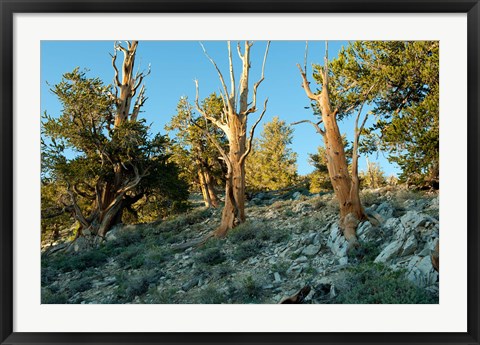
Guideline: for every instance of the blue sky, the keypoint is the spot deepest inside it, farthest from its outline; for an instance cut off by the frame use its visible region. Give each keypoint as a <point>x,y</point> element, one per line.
<point>176,64</point>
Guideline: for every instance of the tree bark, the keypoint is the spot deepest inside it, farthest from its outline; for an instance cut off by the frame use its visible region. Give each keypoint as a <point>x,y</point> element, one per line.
<point>234,124</point>
<point>111,193</point>
<point>234,211</point>
<point>206,182</point>
<point>345,186</point>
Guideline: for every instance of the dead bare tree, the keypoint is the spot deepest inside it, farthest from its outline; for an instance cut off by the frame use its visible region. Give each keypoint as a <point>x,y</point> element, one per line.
<point>236,110</point>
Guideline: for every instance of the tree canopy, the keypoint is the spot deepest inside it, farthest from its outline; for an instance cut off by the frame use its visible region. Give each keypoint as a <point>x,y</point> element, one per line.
<point>81,149</point>
<point>272,164</point>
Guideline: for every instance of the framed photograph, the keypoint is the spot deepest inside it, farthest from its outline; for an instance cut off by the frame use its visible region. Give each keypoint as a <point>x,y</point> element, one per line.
<point>175,172</point>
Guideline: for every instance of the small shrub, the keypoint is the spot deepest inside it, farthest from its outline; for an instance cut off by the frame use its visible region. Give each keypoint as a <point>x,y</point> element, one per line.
<point>221,271</point>
<point>281,267</point>
<point>128,237</point>
<point>137,285</point>
<point>133,256</point>
<point>366,252</point>
<point>49,297</point>
<point>370,283</point>
<point>166,296</point>
<point>211,256</point>
<point>80,285</point>
<point>306,225</point>
<point>181,221</point>
<point>211,295</point>
<point>247,249</point>
<point>250,290</point>
<point>156,256</point>
<point>243,232</point>
<point>278,205</point>
<point>332,206</point>
<point>82,261</point>
<point>49,274</point>
<point>318,204</point>
<point>261,231</point>
<point>273,235</point>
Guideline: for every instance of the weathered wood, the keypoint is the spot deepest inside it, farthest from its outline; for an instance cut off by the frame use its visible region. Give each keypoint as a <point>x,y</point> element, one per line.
<point>234,124</point>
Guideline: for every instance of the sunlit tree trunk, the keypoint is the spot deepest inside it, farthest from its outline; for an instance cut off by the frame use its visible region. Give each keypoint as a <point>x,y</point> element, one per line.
<point>110,194</point>
<point>234,124</point>
<point>345,186</point>
<point>205,179</point>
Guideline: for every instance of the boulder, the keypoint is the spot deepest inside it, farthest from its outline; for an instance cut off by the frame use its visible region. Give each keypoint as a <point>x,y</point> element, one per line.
<point>392,226</point>
<point>311,250</point>
<point>414,219</point>
<point>421,271</point>
<point>366,232</point>
<point>296,195</point>
<point>336,242</point>
<point>389,251</point>
<point>386,210</point>
<point>80,244</point>
<point>409,246</point>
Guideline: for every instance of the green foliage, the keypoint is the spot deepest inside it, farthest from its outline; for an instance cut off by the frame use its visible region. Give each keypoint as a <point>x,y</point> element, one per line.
<point>319,178</point>
<point>70,262</point>
<point>260,231</point>
<point>168,230</point>
<point>132,257</point>
<point>49,297</point>
<point>247,249</point>
<point>211,256</point>
<point>373,177</point>
<point>407,107</point>
<point>80,285</point>
<point>84,153</point>
<point>131,286</point>
<point>367,252</point>
<point>281,267</point>
<point>156,256</point>
<point>250,291</point>
<point>211,295</point>
<point>243,232</point>
<point>371,283</point>
<point>272,164</point>
<point>55,217</point>
<point>165,296</point>
<point>399,81</point>
<point>193,150</point>
<point>127,236</point>
<point>221,271</point>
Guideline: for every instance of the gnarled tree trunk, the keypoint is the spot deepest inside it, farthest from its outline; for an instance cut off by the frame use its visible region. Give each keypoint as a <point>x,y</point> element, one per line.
<point>110,194</point>
<point>234,124</point>
<point>205,180</point>
<point>345,186</point>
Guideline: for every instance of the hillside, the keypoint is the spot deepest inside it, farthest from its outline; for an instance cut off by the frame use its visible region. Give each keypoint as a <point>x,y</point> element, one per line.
<point>290,241</point>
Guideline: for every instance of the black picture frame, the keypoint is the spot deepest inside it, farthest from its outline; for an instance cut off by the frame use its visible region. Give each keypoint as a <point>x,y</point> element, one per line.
<point>9,7</point>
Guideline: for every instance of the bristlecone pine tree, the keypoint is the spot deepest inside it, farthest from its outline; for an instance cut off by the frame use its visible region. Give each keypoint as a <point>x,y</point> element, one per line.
<point>233,122</point>
<point>344,89</point>
<point>116,163</point>
<point>407,124</point>
<point>194,152</point>
<point>272,164</point>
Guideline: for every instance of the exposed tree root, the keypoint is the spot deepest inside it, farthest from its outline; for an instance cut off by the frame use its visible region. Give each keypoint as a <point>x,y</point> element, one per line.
<point>298,298</point>
<point>198,242</point>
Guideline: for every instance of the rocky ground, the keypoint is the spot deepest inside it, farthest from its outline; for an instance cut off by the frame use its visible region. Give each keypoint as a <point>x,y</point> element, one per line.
<point>290,241</point>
